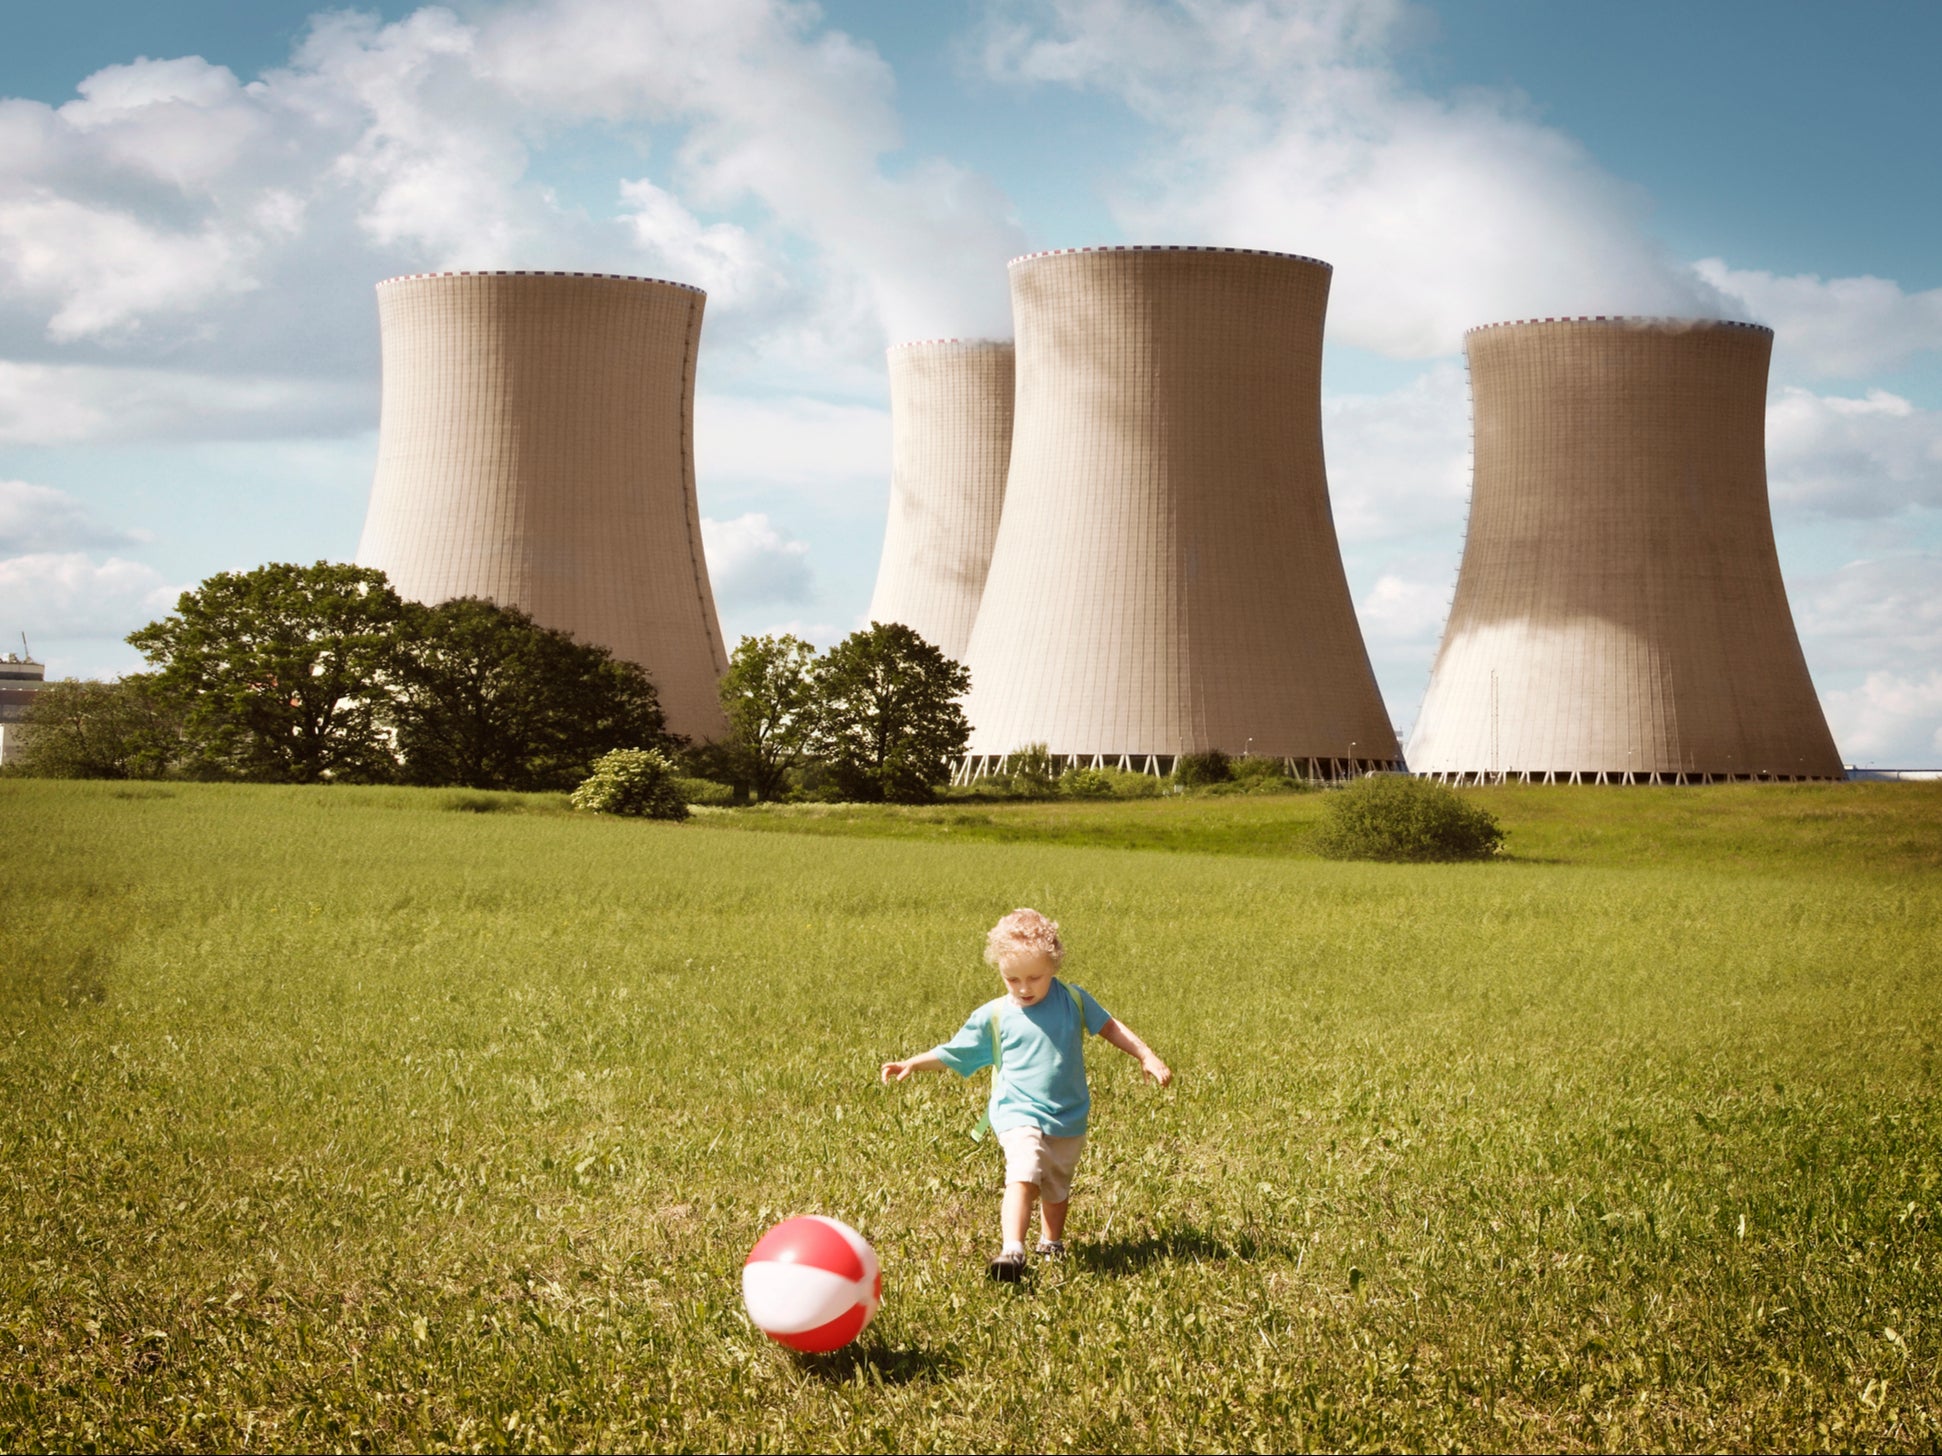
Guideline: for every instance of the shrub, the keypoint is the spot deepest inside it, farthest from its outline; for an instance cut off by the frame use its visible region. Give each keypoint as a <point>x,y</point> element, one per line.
<point>1398,818</point>
<point>1128,785</point>
<point>1031,769</point>
<point>1086,783</point>
<point>704,791</point>
<point>1197,770</point>
<point>640,782</point>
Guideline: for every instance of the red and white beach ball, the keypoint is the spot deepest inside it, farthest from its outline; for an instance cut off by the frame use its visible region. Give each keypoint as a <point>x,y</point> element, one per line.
<point>812,1284</point>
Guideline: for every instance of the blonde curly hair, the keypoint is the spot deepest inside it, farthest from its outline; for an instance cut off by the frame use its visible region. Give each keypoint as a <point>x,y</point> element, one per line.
<point>1024,932</point>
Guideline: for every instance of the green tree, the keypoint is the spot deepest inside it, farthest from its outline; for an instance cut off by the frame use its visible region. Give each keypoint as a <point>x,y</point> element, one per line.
<point>280,672</point>
<point>100,730</point>
<point>485,697</point>
<point>890,724</point>
<point>769,694</point>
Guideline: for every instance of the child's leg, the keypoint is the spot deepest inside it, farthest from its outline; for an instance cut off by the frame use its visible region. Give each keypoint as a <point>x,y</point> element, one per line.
<point>1051,1217</point>
<point>1017,1216</point>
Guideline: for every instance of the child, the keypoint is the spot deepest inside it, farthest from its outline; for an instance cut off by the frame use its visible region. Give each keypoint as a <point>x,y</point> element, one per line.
<point>1038,1086</point>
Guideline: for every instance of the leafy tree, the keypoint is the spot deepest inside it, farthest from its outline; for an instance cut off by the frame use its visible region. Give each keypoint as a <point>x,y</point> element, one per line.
<point>100,730</point>
<point>769,694</point>
<point>890,723</point>
<point>485,697</point>
<point>640,782</point>
<point>279,672</point>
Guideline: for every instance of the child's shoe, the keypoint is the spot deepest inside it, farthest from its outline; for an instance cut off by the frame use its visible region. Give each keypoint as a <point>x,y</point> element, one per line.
<point>1050,1249</point>
<point>1008,1268</point>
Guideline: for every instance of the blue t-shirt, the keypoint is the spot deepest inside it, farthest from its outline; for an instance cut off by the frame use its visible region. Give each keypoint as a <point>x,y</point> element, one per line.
<point>1042,1083</point>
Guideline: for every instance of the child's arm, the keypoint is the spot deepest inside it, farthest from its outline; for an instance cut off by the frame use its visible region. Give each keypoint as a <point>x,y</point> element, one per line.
<point>1119,1034</point>
<point>923,1062</point>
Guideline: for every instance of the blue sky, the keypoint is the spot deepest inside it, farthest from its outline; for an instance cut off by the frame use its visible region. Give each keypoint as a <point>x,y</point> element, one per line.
<point>195,200</point>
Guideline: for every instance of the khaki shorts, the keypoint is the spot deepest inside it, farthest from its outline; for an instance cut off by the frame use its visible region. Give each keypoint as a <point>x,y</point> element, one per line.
<point>1050,1162</point>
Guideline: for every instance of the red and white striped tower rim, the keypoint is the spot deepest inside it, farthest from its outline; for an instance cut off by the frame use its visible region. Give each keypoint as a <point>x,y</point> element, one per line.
<point>539,273</point>
<point>1629,321</point>
<point>1167,248</point>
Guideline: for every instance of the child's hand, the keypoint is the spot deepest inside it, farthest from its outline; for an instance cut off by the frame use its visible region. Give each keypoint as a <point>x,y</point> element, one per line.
<point>898,1070</point>
<point>1158,1070</point>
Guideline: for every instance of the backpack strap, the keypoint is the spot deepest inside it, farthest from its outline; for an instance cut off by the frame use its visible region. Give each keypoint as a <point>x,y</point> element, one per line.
<point>997,1062</point>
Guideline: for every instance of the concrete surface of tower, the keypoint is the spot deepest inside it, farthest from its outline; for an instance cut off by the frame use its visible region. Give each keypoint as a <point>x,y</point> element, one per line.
<point>537,448</point>
<point>1619,611</point>
<point>1166,577</point>
<point>950,433</point>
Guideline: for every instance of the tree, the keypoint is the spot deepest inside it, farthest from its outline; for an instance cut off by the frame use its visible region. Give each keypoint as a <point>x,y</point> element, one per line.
<point>485,697</point>
<point>280,672</point>
<point>769,694</point>
<point>100,730</point>
<point>890,723</point>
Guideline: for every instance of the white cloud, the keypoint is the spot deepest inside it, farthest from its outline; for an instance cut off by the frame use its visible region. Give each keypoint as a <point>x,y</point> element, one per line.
<point>1399,463</point>
<point>1884,612</point>
<point>750,562</point>
<point>173,212</point>
<point>1834,326</point>
<point>1402,610</point>
<point>1286,126</point>
<point>1893,720</point>
<point>1842,456</point>
<point>793,442</point>
<point>69,594</point>
<point>38,518</point>
<point>64,404</point>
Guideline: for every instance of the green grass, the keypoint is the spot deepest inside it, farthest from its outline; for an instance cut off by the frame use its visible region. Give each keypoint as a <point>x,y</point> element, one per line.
<point>364,1118</point>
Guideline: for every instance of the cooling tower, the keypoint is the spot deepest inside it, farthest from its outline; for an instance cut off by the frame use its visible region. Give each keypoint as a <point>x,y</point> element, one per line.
<point>537,448</point>
<point>1166,578</point>
<point>1619,614</point>
<point>950,444</point>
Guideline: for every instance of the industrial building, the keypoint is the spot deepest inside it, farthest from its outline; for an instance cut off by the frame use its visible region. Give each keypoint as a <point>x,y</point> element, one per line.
<point>21,678</point>
<point>950,446</point>
<point>537,448</point>
<point>1619,613</point>
<point>1166,577</point>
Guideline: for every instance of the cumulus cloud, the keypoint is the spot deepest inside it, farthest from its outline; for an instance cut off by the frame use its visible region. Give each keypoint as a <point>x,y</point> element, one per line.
<point>174,213</point>
<point>1286,126</point>
<point>794,442</point>
<point>69,594</point>
<point>1882,612</point>
<point>1835,326</point>
<point>1860,457</point>
<point>1892,720</point>
<point>64,404</point>
<point>38,518</point>
<point>1399,463</point>
<point>751,562</point>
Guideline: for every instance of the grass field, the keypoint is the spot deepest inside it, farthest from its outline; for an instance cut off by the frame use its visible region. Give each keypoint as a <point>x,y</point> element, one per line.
<point>338,1118</point>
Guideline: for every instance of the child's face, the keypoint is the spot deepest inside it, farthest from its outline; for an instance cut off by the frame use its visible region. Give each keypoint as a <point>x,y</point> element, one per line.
<point>1027,977</point>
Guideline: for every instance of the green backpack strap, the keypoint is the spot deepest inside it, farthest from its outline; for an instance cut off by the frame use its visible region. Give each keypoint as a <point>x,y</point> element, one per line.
<point>997,1061</point>
<point>998,1054</point>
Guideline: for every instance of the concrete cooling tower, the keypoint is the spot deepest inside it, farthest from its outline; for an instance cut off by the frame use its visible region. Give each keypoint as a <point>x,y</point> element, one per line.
<point>1619,614</point>
<point>950,444</point>
<point>537,448</point>
<point>1166,578</point>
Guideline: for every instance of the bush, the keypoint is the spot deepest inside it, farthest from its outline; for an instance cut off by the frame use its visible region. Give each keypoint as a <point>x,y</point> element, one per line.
<point>1031,770</point>
<point>1086,783</point>
<point>704,791</point>
<point>1197,770</point>
<point>640,782</point>
<point>1395,817</point>
<point>1128,785</point>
